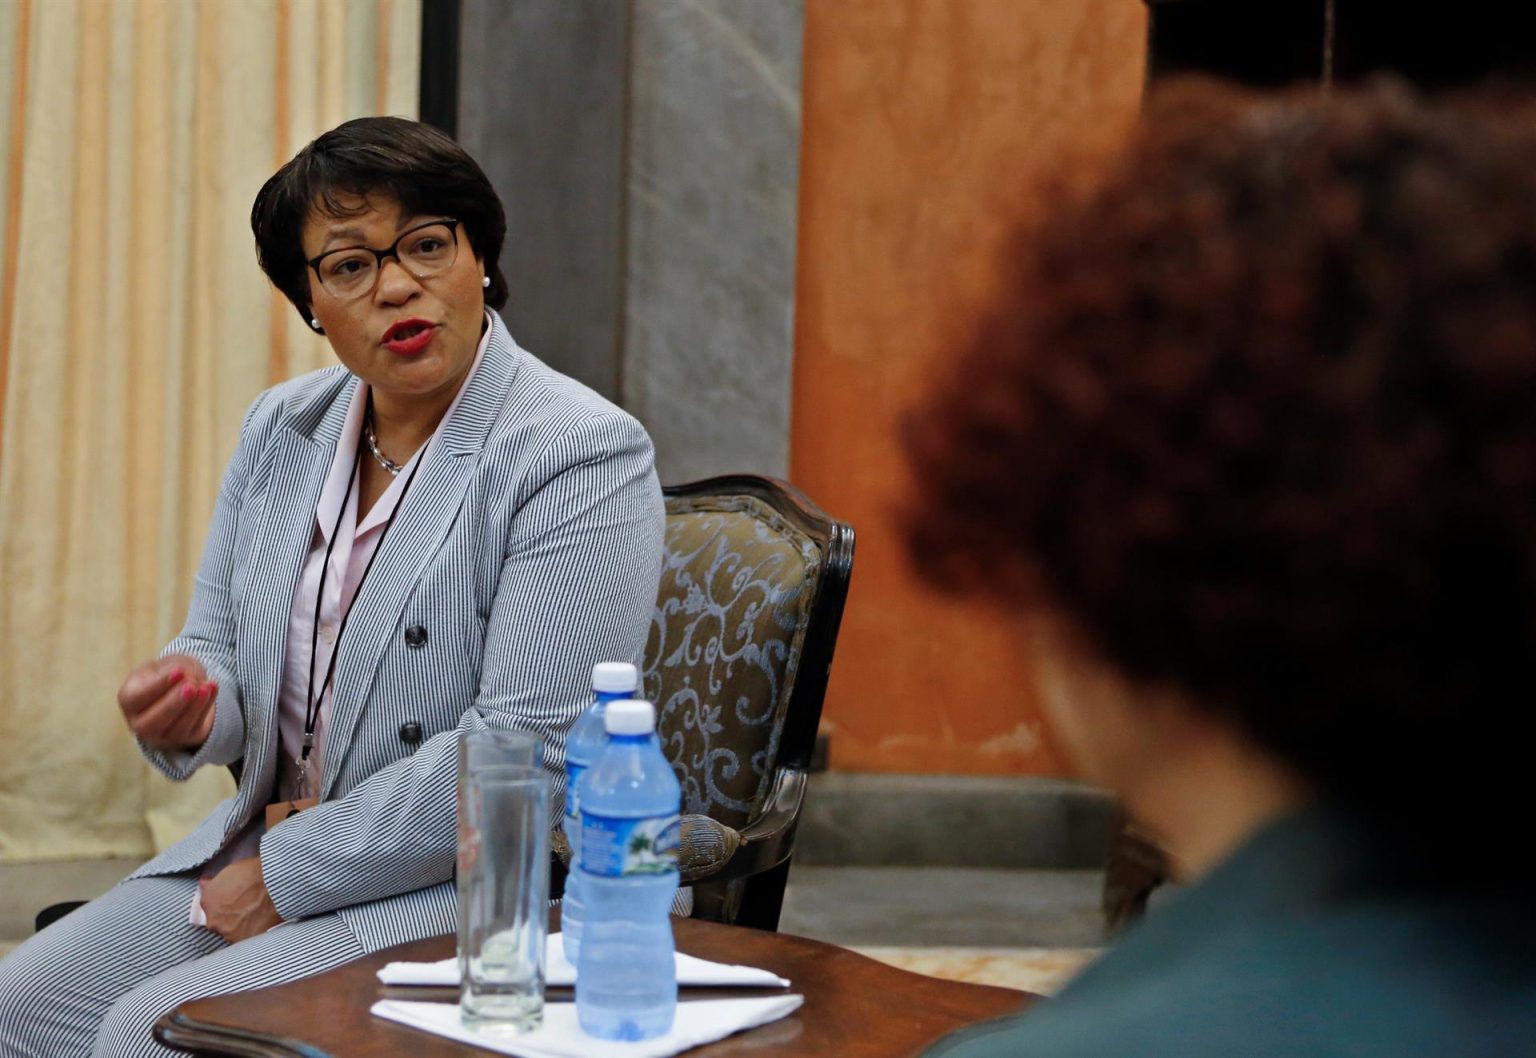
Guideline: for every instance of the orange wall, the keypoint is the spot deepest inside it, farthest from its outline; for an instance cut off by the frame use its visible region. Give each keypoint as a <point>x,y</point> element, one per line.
<point>924,122</point>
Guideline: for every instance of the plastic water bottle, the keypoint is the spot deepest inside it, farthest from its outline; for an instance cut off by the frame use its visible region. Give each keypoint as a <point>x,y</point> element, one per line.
<point>626,981</point>
<point>611,680</point>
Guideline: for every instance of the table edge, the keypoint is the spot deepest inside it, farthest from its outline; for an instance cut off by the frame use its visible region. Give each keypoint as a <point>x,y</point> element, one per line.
<point>175,1029</point>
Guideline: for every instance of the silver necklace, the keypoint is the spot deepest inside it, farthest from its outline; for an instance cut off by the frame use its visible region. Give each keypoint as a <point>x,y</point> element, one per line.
<point>373,446</point>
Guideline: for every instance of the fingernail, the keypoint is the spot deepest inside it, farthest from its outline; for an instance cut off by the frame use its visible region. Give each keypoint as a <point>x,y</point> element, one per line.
<point>177,675</point>
<point>188,693</point>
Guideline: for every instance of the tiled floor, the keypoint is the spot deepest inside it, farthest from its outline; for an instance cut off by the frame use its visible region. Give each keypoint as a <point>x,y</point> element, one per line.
<point>1041,970</point>
<point>1029,929</point>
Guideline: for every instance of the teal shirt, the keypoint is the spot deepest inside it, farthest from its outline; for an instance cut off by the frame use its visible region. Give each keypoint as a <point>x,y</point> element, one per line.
<point>1313,940</point>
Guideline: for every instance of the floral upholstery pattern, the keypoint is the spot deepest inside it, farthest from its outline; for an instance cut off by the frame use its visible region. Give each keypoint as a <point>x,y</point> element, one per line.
<point>725,644</point>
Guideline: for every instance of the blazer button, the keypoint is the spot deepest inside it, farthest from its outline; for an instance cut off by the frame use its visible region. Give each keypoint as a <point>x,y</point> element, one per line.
<point>416,637</point>
<point>410,733</point>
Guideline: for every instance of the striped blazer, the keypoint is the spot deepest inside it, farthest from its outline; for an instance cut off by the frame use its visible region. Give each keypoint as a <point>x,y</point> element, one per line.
<point>527,549</point>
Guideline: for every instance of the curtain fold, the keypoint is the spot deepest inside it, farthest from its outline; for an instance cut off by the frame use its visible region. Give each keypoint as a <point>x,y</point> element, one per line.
<point>135,329</point>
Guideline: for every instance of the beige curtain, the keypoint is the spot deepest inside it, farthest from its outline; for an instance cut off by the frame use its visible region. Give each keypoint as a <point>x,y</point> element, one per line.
<point>135,329</point>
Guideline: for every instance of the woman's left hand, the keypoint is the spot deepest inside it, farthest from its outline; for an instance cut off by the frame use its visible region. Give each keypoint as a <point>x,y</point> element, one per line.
<point>236,901</point>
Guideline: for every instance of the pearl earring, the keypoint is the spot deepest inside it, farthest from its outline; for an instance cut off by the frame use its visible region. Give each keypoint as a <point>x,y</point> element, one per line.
<point>485,281</point>
<point>314,323</point>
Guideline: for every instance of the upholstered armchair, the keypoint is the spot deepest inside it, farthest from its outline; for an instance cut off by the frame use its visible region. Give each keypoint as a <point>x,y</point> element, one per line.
<point>752,592</point>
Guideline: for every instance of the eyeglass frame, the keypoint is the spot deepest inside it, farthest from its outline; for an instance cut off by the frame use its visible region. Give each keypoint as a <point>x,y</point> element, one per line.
<point>393,250</point>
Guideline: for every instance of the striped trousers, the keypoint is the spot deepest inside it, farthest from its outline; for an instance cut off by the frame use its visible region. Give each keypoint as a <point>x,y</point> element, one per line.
<point>95,981</point>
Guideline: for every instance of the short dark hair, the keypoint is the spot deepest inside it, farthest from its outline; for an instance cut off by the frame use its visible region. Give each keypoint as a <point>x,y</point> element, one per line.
<point>1256,414</point>
<point>419,165</point>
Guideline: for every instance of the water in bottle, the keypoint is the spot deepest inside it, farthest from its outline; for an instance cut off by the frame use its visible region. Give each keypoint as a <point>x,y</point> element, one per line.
<point>626,979</point>
<point>611,680</point>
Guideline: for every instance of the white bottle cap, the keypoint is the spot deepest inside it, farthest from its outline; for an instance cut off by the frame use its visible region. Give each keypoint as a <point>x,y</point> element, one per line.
<point>630,716</point>
<point>614,677</point>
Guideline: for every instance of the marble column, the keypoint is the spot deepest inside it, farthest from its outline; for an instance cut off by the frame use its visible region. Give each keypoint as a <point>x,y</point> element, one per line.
<point>542,94</point>
<point>647,152</point>
<point>713,165</point>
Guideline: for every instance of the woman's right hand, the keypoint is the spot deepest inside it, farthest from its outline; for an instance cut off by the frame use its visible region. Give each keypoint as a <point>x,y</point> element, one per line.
<point>169,702</point>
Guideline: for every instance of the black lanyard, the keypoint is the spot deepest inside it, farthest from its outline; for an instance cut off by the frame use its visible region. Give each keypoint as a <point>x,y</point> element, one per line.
<point>312,700</point>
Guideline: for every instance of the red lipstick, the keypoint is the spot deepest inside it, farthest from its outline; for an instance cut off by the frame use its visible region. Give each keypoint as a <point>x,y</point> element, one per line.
<point>409,337</point>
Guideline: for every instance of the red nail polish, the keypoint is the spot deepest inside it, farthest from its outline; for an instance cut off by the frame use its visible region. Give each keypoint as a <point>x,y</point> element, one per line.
<point>188,693</point>
<point>177,675</point>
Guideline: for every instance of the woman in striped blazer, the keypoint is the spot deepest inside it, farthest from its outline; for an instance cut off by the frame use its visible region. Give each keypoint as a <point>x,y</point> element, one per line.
<point>440,534</point>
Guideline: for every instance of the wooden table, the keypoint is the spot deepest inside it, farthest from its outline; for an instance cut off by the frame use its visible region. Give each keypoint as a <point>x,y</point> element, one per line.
<point>853,1006</point>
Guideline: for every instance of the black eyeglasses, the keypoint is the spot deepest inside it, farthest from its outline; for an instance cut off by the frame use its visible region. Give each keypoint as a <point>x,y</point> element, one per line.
<point>425,250</point>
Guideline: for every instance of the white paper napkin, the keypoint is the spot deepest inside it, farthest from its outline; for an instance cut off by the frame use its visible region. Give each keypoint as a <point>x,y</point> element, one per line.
<point>445,972</point>
<point>698,1022</point>
<point>691,972</point>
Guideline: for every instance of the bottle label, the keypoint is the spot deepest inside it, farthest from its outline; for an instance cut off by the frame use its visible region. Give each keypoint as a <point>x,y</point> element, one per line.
<point>617,848</point>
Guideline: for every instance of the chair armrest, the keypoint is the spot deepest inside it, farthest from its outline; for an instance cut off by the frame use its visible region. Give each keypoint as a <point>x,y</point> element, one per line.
<point>704,846</point>
<point>767,841</point>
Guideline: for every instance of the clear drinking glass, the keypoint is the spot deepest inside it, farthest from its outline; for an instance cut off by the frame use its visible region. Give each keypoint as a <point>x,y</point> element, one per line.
<point>503,881</point>
<point>495,747</point>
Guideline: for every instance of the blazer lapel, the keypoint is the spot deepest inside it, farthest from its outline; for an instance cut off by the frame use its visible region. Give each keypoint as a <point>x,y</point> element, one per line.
<point>302,450</point>
<point>426,515</point>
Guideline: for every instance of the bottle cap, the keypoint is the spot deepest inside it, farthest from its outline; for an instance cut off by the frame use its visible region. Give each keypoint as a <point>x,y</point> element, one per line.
<point>613,677</point>
<point>630,716</point>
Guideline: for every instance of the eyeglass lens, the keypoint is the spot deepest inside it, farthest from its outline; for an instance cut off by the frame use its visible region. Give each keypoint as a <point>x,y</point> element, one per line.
<point>423,252</point>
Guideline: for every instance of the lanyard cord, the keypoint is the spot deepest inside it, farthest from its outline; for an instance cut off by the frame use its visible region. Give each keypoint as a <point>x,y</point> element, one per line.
<point>312,700</point>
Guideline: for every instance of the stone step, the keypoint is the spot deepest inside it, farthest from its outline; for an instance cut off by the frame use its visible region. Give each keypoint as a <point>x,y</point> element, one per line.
<point>870,820</point>
<point>983,907</point>
<point>27,888</point>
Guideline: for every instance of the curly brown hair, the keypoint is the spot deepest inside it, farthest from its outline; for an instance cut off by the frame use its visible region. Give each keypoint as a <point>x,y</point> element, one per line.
<point>1257,416</point>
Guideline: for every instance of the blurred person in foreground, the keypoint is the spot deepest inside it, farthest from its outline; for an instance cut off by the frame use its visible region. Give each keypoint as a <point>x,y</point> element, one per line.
<point>440,534</point>
<point>1249,441</point>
